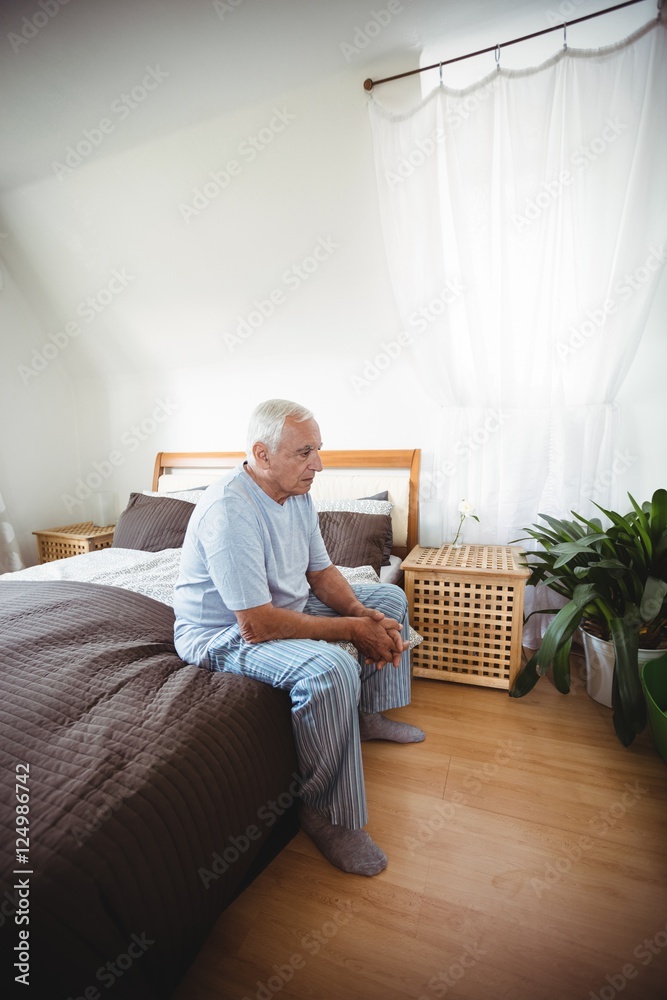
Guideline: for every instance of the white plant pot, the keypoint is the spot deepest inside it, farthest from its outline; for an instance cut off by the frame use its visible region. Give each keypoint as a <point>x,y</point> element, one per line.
<point>599,655</point>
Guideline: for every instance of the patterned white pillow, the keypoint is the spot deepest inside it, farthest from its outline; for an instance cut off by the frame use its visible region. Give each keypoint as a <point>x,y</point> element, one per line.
<point>358,506</point>
<point>190,496</point>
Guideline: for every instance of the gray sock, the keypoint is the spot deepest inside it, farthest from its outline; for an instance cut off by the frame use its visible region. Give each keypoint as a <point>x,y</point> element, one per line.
<point>379,727</point>
<point>350,850</point>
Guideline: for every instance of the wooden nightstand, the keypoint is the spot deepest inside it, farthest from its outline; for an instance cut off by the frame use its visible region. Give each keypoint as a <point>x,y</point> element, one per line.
<point>72,540</point>
<point>467,603</point>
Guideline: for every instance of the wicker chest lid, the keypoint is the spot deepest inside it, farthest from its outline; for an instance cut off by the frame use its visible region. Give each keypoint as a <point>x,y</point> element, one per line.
<point>499,560</point>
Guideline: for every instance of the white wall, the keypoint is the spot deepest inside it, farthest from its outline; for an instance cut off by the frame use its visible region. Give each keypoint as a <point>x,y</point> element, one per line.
<point>150,368</point>
<point>38,423</point>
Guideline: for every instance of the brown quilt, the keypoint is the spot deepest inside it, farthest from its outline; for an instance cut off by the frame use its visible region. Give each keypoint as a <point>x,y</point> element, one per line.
<point>155,791</point>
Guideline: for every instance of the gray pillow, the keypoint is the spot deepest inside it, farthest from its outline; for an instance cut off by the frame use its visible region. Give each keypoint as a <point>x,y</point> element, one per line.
<point>354,539</point>
<point>152,523</point>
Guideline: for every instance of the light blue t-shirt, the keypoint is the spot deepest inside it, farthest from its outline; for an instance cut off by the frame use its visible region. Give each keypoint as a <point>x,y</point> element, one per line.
<point>241,550</point>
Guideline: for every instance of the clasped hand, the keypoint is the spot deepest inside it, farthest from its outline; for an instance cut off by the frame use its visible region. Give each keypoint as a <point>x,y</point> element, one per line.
<point>379,638</point>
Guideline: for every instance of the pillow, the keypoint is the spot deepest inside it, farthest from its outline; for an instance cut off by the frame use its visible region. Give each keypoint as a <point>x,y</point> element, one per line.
<point>192,496</point>
<point>389,541</point>
<point>354,539</point>
<point>152,523</point>
<point>377,504</point>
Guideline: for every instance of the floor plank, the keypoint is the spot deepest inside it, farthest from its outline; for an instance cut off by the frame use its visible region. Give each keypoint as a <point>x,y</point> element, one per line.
<point>527,861</point>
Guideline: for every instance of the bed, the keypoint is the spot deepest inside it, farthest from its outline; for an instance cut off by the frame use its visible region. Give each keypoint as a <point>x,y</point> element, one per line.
<point>142,794</point>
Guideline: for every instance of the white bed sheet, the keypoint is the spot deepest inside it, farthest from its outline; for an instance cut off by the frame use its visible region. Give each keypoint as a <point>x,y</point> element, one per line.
<point>154,574</point>
<point>151,573</point>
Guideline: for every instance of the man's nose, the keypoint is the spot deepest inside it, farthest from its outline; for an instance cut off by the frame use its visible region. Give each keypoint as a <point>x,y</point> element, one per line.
<point>316,463</point>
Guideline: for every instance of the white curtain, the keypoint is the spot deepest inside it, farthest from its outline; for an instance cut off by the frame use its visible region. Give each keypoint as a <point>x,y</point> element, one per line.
<point>525,223</point>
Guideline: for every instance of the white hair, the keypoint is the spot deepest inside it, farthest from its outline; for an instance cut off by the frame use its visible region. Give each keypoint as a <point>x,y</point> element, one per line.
<point>267,421</point>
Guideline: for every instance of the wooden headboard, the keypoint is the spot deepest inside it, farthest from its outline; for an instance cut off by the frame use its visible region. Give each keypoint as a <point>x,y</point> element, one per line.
<point>191,468</point>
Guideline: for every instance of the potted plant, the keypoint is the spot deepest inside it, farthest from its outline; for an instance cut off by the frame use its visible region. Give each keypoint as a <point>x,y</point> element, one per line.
<point>615,583</point>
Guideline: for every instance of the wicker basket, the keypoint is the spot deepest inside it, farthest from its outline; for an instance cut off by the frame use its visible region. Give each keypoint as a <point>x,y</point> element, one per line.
<point>72,540</point>
<point>467,603</point>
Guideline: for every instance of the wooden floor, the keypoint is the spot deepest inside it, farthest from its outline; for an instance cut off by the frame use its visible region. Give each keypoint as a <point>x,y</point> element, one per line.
<point>527,861</point>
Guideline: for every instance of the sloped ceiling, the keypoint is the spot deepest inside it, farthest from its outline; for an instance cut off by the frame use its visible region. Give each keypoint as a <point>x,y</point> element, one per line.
<point>64,64</point>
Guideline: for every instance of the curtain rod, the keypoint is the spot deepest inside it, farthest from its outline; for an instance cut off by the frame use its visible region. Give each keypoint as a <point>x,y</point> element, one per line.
<point>369,84</point>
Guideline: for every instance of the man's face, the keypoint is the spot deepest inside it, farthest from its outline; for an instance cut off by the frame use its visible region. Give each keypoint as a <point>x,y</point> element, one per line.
<point>291,468</point>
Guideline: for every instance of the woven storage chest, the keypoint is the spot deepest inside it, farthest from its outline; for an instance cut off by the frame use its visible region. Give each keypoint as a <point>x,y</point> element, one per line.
<point>467,603</point>
<point>72,540</point>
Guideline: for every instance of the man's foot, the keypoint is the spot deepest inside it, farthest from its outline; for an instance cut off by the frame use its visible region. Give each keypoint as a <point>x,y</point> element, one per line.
<point>350,850</point>
<point>379,727</point>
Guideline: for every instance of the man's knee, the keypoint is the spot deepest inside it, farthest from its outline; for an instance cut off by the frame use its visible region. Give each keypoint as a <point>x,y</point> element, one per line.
<point>391,600</point>
<point>332,668</point>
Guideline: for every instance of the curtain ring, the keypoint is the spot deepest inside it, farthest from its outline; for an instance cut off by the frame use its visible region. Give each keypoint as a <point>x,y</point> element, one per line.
<point>497,56</point>
<point>441,74</point>
<point>565,35</point>
<point>661,4</point>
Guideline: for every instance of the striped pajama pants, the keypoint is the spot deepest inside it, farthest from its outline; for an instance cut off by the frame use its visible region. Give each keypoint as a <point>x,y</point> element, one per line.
<point>328,688</point>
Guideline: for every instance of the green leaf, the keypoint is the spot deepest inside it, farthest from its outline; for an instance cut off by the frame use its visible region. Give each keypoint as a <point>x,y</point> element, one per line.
<point>628,703</point>
<point>564,529</point>
<point>565,624</point>
<point>659,514</point>
<point>565,552</point>
<point>526,679</point>
<point>594,522</point>
<point>642,524</point>
<point>561,668</point>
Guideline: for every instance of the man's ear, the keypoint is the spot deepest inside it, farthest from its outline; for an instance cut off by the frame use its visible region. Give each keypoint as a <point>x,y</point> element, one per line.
<point>261,454</point>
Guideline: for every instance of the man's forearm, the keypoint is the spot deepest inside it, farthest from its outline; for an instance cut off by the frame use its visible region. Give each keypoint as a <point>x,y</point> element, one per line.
<point>267,622</point>
<point>373,634</point>
<point>332,589</point>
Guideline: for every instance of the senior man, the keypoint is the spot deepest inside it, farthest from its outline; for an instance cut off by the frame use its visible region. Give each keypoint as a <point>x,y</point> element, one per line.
<point>255,594</point>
